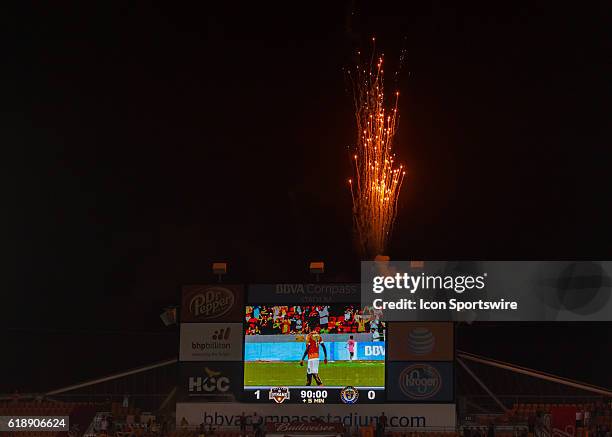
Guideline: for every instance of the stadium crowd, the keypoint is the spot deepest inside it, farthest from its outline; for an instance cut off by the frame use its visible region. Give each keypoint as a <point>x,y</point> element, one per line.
<point>301,319</point>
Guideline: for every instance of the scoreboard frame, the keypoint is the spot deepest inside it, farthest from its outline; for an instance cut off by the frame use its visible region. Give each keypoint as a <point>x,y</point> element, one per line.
<point>312,294</point>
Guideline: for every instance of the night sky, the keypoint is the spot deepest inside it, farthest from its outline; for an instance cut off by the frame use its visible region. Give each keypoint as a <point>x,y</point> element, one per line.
<point>141,143</point>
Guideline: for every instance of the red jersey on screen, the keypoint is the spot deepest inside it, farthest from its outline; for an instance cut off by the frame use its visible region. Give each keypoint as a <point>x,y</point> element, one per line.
<point>351,345</point>
<point>313,340</point>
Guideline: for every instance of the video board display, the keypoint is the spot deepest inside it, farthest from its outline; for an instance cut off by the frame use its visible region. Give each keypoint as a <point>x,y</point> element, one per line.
<point>313,354</point>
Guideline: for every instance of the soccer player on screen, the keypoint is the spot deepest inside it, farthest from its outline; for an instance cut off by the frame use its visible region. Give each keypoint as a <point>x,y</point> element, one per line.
<point>350,344</point>
<point>313,341</point>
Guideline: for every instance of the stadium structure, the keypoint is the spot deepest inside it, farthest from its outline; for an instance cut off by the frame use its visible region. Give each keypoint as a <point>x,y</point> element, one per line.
<point>486,395</point>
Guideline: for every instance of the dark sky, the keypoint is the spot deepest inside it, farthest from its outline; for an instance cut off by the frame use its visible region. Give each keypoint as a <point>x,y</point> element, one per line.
<point>140,143</point>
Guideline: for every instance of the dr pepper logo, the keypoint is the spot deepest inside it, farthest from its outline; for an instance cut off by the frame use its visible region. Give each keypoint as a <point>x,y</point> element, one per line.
<point>206,303</point>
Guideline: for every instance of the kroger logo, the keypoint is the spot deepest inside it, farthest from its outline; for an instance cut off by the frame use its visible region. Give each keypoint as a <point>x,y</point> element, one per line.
<point>420,381</point>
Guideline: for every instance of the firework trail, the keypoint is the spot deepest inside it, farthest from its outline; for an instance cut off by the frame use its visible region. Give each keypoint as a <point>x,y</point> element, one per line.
<point>377,180</point>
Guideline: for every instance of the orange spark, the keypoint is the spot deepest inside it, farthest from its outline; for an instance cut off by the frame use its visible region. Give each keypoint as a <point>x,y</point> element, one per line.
<point>377,180</point>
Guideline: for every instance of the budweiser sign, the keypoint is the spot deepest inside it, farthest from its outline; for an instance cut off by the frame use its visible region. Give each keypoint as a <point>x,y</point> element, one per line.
<point>214,302</point>
<point>305,427</point>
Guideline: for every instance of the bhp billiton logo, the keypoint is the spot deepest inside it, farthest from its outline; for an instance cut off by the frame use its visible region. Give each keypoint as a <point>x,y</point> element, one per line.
<point>220,340</point>
<point>222,334</point>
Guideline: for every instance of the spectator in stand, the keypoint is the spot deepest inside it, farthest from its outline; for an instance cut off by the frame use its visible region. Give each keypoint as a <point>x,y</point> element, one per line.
<point>111,425</point>
<point>361,323</point>
<point>286,326</point>
<point>491,429</point>
<point>257,423</point>
<point>376,335</point>
<point>531,423</point>
<point>324,317</point>
<point>579,420</point>
<point>375,323</point>
<point>243,424</point>
<point>381,425</point>
<point>104,425</point>
<point>348,314</point>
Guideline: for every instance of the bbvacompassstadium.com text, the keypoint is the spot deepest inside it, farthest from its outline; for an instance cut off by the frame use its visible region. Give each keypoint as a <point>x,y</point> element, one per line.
<point>353,419</point>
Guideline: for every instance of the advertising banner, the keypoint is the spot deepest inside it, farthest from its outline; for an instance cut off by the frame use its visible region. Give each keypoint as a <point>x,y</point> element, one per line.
<point>303,293</point>
<point>420,341</point>
<point>563,421</point>
<point>336,351</point>
<point>298,428</point>
<point>420,381</point>
<point>439,416</point>
<point>211,342</point>
<point>210,382</point>
<point>212,303</point>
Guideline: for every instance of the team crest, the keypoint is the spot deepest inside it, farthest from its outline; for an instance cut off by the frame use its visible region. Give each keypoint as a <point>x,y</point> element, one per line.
<point>349,395</point>
<point>279,394</point>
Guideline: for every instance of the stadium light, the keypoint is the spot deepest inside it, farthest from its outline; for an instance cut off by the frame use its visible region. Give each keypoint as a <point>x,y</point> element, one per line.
<point>219,269</point>
<point>316,268</point>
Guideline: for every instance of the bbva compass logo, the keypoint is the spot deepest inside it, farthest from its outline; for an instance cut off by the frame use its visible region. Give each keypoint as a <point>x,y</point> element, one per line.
<point>420,381</point>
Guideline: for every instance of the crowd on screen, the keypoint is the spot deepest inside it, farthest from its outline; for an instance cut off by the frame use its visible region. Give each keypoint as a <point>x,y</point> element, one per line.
<point>301,319</point>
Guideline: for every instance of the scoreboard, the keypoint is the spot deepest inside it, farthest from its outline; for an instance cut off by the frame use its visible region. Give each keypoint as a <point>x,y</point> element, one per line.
<point>306,344</point>
<point>316,395</point>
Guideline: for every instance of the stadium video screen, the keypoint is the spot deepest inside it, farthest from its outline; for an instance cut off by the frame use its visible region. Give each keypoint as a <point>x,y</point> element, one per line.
<point>313,354</point>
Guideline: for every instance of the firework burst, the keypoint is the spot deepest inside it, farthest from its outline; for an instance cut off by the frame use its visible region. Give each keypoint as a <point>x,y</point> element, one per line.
<point>377,180</point>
